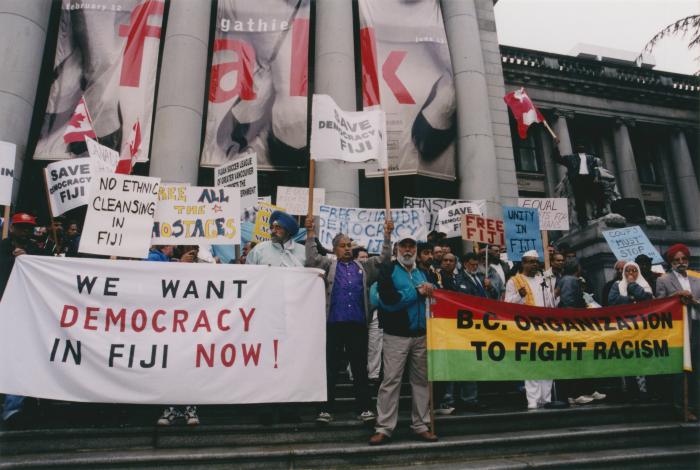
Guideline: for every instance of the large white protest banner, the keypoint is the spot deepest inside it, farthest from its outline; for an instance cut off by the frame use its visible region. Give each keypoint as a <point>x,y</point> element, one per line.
<point>242,173</point>
<point>190,215</point>
<point>105,160</point>
<point>7,172</point>
<point>366,226</point>
<point>349,136</point>
<point>450,218</point>
<point>68,182</point>
<point>120,214</point>
<point>296,200</point>
<point>553,212</point>
<point>433,205</point>
<point>134,332</point>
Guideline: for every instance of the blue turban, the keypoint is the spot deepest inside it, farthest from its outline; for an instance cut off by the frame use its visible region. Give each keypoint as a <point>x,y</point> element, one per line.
<point>286,221</point>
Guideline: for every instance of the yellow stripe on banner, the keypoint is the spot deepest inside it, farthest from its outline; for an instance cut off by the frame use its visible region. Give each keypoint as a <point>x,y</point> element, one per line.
<point>444,335</point>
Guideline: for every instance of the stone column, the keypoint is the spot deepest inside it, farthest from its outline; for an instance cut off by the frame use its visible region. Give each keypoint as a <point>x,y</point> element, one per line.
<point>179,111</point>
<point>477,166</point>
<point>23,27</point>
<point>550,171</point>
<point>675,214</point>
<point>628,177</point>
<point>335,76</point>
<point>561,129</point>
<point>685,180</point>
<point>608,155</point>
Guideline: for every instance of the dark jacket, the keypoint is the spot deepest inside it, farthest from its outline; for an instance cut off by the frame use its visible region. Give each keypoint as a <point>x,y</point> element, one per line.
<point>467,286</point>
<point>635,293</point>
<point>572,162</point>
<point>401,309</point>
<point>570,292</point>
<point>7,259</point>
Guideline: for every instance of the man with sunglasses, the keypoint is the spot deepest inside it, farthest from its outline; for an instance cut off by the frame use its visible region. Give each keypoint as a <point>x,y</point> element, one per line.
<point>678,282</point>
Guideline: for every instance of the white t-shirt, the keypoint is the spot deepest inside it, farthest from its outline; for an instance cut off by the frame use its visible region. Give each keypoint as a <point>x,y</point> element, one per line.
<point>583,165</point>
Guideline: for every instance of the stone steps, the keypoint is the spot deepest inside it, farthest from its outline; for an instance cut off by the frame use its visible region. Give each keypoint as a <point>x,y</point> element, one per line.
<point>578,440</point>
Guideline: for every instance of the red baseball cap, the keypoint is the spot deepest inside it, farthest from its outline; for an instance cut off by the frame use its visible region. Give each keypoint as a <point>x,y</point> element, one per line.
<point>23,218</point>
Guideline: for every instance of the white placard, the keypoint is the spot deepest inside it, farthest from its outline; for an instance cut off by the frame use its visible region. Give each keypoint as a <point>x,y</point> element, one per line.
<point>7,172</point>
<point>366,226</point>
<point>433,205</point>
<point>68,182</point>
<point>553,212</point>
<point>105,159</point>
<point>120,214</point>
<point>154,333</point>
<point>450,218</point>
<point>242,173</point>
<point>352,137</point>
<point>193,215</point>
<point>296,200</point>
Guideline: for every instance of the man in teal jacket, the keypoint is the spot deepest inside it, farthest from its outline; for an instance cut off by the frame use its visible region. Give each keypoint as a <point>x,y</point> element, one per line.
<point>400,296</point>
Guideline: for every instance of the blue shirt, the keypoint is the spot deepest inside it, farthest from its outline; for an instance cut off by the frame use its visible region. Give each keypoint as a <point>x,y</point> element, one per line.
<point>347,296</point>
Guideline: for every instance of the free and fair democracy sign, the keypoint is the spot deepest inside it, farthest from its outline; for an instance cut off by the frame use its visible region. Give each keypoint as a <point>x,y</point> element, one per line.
<point>134,332</point>
<point>190,215</point>
<point>366,226</point>
<point>471,338</point>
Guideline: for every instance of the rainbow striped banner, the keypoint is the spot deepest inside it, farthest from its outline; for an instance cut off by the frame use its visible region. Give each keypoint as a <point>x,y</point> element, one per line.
<point>472,338</point>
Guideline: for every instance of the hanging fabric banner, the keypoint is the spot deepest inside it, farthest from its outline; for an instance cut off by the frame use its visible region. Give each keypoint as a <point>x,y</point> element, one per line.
<point>406,70</point>
<point>107,52</point>
<point>162,333</point>
<point>259,79</point>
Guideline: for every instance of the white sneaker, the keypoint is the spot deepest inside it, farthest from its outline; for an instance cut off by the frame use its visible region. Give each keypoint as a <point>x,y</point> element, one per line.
<point>191,417</point>
<point>168,417</point>
<point>324,418</point>
<point>367,416</point>
<point>598,396</point>
<point>583,399</point>
<point>444,410</point>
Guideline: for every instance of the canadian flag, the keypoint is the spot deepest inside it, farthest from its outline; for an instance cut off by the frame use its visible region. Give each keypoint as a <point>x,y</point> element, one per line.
<point>127,163</point>
<point>80,125</point>
<point>523,110</point>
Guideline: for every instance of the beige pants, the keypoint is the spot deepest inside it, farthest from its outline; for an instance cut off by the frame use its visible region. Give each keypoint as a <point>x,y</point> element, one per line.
<point>397,352</point>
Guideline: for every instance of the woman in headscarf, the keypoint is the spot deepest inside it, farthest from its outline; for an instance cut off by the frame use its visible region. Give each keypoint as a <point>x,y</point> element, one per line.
<point>632,288</point>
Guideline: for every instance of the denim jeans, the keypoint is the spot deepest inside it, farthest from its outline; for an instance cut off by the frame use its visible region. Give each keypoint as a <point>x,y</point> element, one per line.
<point>467,392</point>
<point>13,404</point>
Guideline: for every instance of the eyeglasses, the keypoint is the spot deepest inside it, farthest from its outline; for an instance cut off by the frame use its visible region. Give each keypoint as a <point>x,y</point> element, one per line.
<point>631,270</point>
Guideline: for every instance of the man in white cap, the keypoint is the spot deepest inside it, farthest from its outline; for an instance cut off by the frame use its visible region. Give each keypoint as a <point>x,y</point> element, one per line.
<point>530,288</point>
<point>400,295</point>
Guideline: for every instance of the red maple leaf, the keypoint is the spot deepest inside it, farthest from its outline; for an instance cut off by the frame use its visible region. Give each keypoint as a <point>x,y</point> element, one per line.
<point>76,120</point>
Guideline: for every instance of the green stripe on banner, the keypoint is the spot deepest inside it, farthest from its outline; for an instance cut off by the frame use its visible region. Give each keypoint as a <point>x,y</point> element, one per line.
<point>463,365</point>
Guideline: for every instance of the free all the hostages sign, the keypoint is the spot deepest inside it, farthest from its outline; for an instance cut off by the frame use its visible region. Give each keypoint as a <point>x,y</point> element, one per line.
<point>162,333</point>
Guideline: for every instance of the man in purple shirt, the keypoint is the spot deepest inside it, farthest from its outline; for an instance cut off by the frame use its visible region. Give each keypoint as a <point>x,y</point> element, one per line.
<point>347,313</point>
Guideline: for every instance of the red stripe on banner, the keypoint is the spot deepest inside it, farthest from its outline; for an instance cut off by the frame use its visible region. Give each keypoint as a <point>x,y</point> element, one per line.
<point>450,303</point>
<point>298,73</point>
<point>71,137</point>
<point>370,77</point>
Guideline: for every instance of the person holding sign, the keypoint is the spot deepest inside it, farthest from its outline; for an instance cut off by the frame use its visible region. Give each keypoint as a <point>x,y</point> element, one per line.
<point>400,295</point>
<point>530,288</point>
<point>347,313</point>
<point>17,244</point>
<point>281,249</point>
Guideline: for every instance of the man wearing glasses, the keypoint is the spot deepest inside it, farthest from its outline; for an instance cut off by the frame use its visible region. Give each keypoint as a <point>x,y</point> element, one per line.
<point>677,282</point>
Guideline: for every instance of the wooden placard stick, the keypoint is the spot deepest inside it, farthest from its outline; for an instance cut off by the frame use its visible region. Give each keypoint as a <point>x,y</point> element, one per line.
<point>312,178</point>
<point>545,244</point>
<point>387,195</point>
<point>6,222</point>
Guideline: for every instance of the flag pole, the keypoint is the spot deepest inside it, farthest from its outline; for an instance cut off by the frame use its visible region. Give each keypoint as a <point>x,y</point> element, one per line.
<point>6,222</point>
<point>431,401</point>
<point>48,201</point>
<point>312,177</point>
<point>387,195</point>
<point>551,132</point>
<point>545,243</point>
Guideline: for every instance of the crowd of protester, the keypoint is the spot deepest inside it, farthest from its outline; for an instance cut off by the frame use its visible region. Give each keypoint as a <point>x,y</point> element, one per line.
<point>375,310</point>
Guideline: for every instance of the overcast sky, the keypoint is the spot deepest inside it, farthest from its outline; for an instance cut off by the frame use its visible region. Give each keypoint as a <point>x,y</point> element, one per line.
<point>558,25</point>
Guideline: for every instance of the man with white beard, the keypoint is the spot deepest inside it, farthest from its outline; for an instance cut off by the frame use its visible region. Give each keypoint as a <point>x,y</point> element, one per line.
<point>400,296</point>
<point>530,288</point>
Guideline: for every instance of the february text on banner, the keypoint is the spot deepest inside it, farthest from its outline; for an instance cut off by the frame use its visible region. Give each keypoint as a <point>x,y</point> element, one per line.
<point>133,332</point>
<point>470,338</point>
